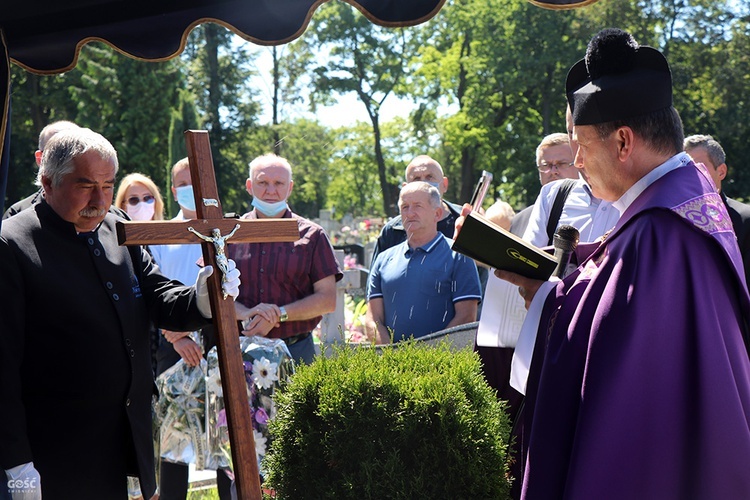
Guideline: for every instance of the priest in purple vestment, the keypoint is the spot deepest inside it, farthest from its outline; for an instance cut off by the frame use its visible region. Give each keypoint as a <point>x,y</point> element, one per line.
<point>639,382</point>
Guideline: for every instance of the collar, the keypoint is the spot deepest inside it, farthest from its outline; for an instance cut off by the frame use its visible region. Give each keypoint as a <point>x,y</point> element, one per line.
<point>253,214</point>
<point>677,161</point>
<point>427,248</point>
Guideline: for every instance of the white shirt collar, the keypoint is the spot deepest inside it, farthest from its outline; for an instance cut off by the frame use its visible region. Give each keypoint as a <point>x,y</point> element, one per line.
<point>677,161</point>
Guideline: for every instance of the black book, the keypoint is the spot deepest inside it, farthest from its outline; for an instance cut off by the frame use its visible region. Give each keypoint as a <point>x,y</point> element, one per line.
<point>486,242</point>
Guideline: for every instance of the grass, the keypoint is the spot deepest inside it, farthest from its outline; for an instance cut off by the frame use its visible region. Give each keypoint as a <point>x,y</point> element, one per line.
<point>203,494</point>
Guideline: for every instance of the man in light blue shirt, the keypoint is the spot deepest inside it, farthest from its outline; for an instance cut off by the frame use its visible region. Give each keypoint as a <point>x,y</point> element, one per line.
<point>582,210</point>
<point>420,286</point>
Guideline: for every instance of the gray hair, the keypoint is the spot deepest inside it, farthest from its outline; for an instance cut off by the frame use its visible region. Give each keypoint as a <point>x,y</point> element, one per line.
<point>270,159</point>
<point>67,145</point>
<point>417,186</point>
<point>556,139</point>
<point>713,148</point>
<point>50,130</point>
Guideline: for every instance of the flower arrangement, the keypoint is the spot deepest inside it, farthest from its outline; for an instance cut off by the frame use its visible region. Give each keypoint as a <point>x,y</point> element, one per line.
<point>268,366</point>
<point>179,414</point>
<point>354,322</point>
<point>189,416</point>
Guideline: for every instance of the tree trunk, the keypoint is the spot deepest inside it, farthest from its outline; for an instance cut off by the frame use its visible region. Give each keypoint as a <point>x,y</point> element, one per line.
<point>389,192</point>
<point>275,104</point>
<point>468,160</point>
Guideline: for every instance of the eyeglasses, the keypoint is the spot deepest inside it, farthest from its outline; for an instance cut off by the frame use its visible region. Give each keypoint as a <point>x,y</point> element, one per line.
<point>546,168</point>
<point>134,200</point>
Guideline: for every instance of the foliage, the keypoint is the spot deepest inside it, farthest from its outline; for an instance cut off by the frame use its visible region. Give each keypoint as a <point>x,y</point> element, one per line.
<point>354,187</point>
<point>487,77</point>
<point>308,147</point>
<point>218,72</point>
<point>413,422</point>
<point>508,93</point>
<point>367,60</point>
<point>127,101</point>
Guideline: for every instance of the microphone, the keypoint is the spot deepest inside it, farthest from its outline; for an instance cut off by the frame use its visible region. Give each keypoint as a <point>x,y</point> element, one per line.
<point>565,242</point>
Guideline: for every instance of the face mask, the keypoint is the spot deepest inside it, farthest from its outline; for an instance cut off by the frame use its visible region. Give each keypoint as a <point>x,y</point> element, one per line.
<point>186,198</point>
<point>269,209</point>
<point>140,211</point>
<point>436,185</point>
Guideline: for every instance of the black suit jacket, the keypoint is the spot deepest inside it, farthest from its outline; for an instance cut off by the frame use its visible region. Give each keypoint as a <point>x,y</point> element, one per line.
<point>740,215</point>
<point>75,370</point>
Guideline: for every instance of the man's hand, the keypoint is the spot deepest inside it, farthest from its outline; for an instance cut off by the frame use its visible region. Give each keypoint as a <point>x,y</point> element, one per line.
<point>269,312</point>
<point>460,220</point>
<point>230,283</point>
<point>258,325</point>
<point>188,350</point>
<point>173,337</point>
<point>527,287</point>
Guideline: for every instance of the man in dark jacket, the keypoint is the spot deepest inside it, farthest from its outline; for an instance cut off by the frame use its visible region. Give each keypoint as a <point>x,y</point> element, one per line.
<point>707,150</point>
<point>75,370</point>
<point>421,168</point>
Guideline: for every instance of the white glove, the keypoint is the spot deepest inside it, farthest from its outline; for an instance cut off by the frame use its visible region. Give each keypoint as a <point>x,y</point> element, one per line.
<point>24,482</point>
<point>230,286</point>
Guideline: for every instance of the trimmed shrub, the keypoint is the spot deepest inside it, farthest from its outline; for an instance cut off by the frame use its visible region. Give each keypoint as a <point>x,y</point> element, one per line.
<point>412,422</point>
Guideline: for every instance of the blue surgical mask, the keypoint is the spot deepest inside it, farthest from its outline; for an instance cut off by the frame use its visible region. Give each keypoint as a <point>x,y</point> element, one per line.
<point>185,197</point>
<point>436,185</point>
<point>269,209</point>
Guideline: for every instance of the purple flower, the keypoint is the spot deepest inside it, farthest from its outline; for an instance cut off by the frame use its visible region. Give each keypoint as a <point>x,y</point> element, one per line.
<point>261,416</point>
<point>221,419</point>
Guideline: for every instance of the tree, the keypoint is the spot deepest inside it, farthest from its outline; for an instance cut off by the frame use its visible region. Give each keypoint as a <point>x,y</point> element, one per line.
<point>502,64</point>
<point>354,186</point>
<point>127,101</point>
<point>308,146</point>
<point>219,69</point>
<point>357,56</point>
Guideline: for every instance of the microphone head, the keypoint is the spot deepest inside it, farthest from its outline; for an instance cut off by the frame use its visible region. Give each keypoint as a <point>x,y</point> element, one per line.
<point>566,238</point>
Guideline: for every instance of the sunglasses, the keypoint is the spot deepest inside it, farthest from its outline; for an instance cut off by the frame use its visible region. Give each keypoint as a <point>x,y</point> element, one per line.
<point>134,200</point>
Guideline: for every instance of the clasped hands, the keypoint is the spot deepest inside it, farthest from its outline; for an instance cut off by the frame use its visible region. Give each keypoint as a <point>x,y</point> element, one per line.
<point>527,287</point>
<point>258,320</point>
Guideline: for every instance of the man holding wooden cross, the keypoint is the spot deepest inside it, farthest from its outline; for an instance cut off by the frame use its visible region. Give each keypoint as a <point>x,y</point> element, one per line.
<point>75,373</point>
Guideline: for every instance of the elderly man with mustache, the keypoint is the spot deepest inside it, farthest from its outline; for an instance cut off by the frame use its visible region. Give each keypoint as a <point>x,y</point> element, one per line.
<point>75,371</point>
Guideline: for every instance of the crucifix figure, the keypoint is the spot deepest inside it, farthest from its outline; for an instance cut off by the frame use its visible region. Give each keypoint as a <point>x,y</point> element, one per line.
<point>211,221</point>
<point>219,242</point>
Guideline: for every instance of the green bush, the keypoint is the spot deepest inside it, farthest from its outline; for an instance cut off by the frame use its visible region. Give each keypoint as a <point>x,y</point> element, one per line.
<point>413,422</point>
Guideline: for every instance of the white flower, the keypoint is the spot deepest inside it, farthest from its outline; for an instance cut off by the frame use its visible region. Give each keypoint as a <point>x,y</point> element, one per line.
<point>265,373</point>
<point>260,443</point>
<point>213,383</point>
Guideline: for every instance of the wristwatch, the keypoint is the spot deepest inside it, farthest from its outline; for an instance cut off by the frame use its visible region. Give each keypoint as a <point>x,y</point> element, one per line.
<point>284,316</point>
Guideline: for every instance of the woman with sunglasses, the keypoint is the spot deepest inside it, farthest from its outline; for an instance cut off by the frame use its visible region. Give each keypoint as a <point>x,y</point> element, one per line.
<point>139,197</point>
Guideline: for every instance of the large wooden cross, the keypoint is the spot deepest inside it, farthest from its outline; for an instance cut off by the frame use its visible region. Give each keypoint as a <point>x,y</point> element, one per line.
<point>210,218</point>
